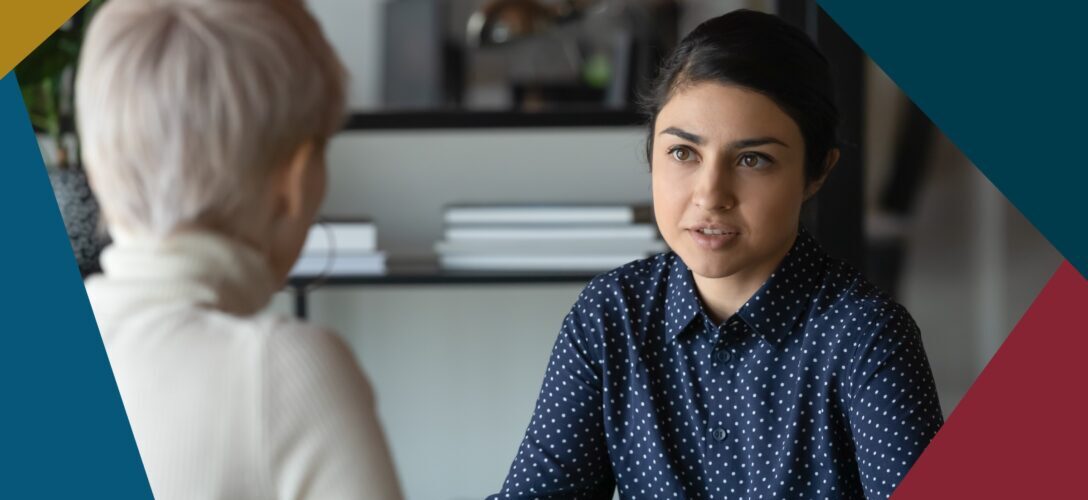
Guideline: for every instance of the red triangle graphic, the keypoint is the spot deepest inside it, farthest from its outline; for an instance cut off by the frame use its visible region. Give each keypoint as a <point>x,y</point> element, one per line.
<point>1021,431</point>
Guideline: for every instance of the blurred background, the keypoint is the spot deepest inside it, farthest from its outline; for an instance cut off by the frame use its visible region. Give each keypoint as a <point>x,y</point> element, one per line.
<point>514,102</point>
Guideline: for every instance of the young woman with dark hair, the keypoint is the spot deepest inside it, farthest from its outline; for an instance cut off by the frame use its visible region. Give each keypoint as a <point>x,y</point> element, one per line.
<point>746,362</point>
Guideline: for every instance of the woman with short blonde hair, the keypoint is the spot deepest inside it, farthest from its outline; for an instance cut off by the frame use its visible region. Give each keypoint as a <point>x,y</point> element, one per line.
<point>203,126</point>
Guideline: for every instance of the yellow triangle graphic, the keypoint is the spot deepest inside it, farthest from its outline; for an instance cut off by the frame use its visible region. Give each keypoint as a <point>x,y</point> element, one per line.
<point>26,24</point>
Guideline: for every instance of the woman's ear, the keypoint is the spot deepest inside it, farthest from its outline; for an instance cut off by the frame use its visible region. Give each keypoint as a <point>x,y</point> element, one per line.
<point>290,185</point>
<point>814,187</point>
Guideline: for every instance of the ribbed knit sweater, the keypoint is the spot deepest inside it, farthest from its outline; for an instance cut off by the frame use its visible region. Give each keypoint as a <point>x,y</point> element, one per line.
<point>226,401</point>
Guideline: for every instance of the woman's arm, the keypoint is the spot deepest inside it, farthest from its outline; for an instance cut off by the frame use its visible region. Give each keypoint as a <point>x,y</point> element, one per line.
<point>894,410</point>
<point>563,454</point>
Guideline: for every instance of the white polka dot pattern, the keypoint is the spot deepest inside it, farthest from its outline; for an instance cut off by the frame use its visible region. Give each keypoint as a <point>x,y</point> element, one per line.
<point>818,387</point>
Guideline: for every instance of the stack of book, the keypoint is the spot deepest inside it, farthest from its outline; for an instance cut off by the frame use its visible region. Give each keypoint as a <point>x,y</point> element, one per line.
<point>546,237</point>
<point>341,247</point>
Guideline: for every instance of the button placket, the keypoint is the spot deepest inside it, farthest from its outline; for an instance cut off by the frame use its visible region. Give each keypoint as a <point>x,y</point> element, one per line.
<point>721,354</point>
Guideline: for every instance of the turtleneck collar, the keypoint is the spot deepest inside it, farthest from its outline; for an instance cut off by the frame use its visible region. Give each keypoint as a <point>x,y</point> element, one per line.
<point>192,266</point>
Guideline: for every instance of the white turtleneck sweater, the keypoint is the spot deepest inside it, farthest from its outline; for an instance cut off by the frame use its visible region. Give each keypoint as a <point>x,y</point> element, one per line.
<point>227,402</point>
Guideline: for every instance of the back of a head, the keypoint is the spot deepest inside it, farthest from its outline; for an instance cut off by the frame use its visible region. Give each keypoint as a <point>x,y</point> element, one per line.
<point>760,52</point>
<point>186,106</point>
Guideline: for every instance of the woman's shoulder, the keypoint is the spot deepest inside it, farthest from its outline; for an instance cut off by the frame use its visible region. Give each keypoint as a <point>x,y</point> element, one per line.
<point>847,293</point>
<point>300,358</point>
<point>849,287</point>
<point>287,338</point>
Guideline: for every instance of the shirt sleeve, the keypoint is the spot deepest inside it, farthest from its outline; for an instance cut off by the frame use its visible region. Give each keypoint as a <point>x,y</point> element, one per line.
<point>323,436</point>
<point>894,409</point>
<point>564,453</point>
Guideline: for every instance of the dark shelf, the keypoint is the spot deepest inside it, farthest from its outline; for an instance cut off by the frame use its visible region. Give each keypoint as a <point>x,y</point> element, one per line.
<point>429,275</point>
<point>490,119</point>
<point>433,276</point>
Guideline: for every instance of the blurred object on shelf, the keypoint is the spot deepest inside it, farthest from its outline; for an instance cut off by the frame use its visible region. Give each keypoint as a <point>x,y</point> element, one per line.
<point>502,21</point>
<point>520,55</point>
<point>340,247</point>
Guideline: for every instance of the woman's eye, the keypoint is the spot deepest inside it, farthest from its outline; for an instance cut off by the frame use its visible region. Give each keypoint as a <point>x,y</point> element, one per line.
<point>753,160</point>
<point>680,154</point>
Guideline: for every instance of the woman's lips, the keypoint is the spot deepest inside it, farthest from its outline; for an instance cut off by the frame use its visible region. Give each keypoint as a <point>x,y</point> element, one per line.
<point>713,241</point>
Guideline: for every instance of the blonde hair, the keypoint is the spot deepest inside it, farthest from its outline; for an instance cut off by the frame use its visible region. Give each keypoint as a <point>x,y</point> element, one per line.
<point>186,107</point>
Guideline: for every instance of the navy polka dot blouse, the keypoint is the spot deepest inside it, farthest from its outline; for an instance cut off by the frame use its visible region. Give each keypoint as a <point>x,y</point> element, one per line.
<point>818,387</point>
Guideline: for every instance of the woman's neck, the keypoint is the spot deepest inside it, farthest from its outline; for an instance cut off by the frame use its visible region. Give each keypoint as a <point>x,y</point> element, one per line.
<point>723,297</point>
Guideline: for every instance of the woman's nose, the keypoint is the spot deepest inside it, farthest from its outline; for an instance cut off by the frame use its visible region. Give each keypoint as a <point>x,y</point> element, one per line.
<point>714,189</point>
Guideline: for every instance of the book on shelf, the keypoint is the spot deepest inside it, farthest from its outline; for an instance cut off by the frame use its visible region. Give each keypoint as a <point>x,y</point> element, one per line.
<point>546,214</point>
<point>636,232</point>
<point>546,237</point>
<point>342,235</point>
<point>519,262</point>
<point>339,264</point>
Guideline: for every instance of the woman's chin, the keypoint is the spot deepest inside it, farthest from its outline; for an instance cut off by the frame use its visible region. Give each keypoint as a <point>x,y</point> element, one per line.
<point>708,266</point>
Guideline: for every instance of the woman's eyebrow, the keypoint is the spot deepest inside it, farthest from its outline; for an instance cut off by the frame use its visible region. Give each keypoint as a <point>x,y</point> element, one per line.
<point>756,141</point>
<point>741,144</point>
<point>685,135</point>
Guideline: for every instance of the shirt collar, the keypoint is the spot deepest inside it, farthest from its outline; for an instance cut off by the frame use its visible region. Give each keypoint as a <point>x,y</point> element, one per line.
<point>681,303</point>
<point>767,312</point>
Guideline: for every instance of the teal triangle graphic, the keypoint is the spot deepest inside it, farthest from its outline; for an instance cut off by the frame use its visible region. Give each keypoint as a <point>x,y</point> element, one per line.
<point>63,429</point>
<point>1007,83</point>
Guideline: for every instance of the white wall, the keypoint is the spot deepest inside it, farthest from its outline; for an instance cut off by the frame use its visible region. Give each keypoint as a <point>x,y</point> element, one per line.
<point>354,29</point>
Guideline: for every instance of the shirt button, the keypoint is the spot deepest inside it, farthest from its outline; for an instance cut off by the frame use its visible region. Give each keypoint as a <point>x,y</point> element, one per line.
<point>719,434</point>
<point>722,355</point>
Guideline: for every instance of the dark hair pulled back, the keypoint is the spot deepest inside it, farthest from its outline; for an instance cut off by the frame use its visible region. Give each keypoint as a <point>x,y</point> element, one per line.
<point>762,53</point>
